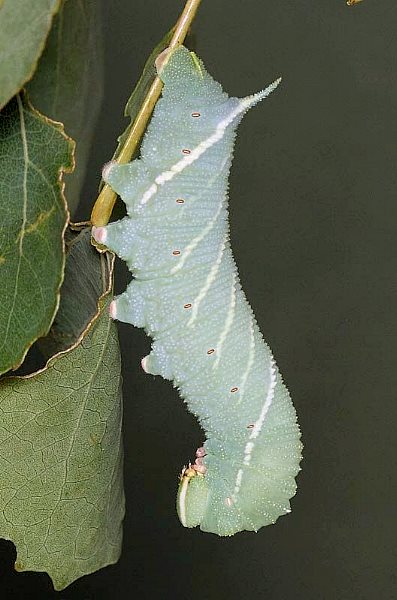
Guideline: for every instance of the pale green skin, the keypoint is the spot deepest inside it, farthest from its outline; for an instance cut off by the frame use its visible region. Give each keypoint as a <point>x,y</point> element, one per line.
<point>186,294</point>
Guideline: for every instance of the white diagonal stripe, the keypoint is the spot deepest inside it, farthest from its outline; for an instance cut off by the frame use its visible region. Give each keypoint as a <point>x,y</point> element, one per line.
<point>251,358</point>
<point>194,243</point>
<point>257,427</point>
<point>228,322</point>
<point>208,282</point>
<point>268,402</point>
<point>215,137</point>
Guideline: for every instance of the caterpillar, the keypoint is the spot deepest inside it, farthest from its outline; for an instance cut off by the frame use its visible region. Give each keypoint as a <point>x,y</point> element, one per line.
<point>187,295</point>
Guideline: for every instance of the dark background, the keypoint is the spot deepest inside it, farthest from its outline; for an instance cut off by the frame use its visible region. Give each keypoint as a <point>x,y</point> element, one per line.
<point>313,218</point>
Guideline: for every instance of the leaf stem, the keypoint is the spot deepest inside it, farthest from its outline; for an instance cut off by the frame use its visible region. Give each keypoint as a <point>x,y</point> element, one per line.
<point>104,204</point>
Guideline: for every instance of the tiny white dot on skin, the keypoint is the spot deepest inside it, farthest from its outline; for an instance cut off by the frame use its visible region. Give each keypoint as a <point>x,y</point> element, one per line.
<point>113,309</point>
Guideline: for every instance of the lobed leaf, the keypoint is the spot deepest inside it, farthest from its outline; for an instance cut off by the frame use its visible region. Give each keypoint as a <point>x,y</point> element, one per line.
<point>34,152</point>
<point>24,26</point>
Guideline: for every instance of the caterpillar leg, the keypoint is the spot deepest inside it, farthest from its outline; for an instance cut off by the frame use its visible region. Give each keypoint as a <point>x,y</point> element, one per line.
<point>158,362</point>
<point>118,237</point>
<point>129,307</point>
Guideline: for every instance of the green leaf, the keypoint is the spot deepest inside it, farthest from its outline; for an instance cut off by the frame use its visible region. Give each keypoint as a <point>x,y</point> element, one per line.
<point>68,83</point>
<point>24,25</point>
<point>86,279</point>
<point>61,493</point>
<point>141,89</point>
<point>33,153</point>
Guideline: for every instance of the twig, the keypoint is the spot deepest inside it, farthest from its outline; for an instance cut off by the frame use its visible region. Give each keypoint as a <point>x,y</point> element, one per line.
<point>103,206</point>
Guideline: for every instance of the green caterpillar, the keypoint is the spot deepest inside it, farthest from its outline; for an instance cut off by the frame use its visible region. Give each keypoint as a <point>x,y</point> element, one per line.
<point>186,293</point>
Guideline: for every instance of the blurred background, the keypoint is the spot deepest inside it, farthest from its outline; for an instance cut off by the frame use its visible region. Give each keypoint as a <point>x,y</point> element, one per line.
<point>313,219</point>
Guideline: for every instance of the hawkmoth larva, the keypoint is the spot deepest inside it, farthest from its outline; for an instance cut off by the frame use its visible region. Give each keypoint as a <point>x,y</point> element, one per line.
<point>186,293</point>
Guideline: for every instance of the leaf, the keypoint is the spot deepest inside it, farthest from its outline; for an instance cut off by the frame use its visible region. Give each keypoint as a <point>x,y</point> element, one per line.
<point>85,280</point>
<point>24,26</point>
<point>142,87</point>
<point>34,152</point>
<point>61,492</point>
<point>68,83</point>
